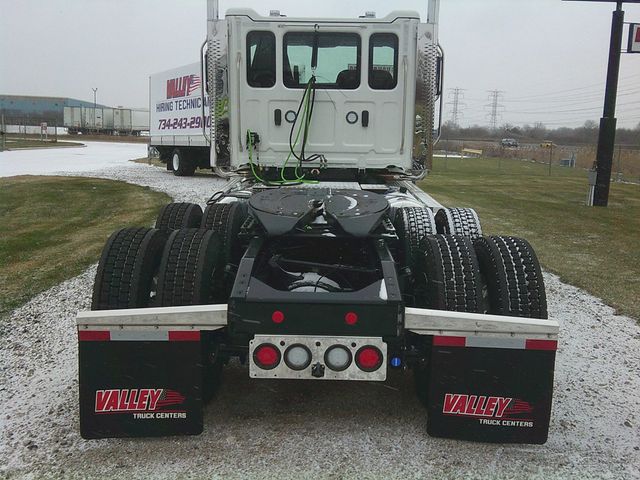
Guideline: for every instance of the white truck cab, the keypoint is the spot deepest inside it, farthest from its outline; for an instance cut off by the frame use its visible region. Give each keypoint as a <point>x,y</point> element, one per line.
<point>364,91</point>
<point>363,95</point>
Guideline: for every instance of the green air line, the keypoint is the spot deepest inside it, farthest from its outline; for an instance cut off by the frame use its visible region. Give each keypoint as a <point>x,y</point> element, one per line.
<point>306,121</point>
<point>253,170</point>
<point>295,143</point>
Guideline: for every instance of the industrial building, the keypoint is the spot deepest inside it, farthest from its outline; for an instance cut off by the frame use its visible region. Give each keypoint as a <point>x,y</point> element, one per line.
<point>31,110</point>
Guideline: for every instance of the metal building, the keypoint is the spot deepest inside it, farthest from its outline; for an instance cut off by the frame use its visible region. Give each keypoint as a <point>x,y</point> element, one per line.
<point>31,110</point>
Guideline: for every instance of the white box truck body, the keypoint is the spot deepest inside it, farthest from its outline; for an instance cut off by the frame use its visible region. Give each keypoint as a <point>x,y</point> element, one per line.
<point>179,114</point>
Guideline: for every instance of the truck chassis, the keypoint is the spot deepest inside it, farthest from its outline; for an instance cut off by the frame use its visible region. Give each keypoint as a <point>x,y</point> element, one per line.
<point>336,281</point>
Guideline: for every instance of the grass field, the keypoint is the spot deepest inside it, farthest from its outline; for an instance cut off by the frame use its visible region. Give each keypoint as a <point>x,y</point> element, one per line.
<point>597,249</point>
<point>52,228</point>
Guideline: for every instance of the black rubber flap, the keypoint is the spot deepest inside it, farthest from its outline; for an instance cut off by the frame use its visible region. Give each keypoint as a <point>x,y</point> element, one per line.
<point>490,394</point>
<point>281,210</point>
<point>140,389</point>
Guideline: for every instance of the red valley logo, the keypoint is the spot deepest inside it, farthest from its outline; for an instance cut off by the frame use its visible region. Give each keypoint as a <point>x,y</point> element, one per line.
<point>475,406</point>
<point>135,400</point>
<point>182,86</point>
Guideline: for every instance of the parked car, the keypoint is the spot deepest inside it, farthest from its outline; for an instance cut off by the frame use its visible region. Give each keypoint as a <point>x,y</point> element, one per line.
<point>509,142</point>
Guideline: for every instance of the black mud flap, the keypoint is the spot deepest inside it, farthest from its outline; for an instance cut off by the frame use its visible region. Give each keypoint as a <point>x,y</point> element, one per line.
<point>140,384</point>
<point>491,390</point>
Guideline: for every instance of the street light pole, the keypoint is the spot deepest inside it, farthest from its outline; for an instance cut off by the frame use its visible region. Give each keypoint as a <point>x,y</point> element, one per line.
<point>95,91</point>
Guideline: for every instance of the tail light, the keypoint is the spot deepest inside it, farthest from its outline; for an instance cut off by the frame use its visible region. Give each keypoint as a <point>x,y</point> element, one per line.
<point>337,358</point>
<point>266,356</point>
<point>297,357</point>
<point>369,358</point>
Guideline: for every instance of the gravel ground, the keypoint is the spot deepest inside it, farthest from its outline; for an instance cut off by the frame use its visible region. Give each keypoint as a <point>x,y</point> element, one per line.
<point>283,429</point>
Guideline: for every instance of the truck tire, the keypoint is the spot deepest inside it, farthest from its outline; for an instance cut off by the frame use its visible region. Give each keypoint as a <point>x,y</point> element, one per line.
<point>127,268</point>
<point>188,268</point>
<point>514,283</point>
<point>412,224</point>
<point>447,278</point>
<point>226,219</point>
<point>458,221</point>
<point>174,216</point>
<point>181,164</point>
<point>448,274</point>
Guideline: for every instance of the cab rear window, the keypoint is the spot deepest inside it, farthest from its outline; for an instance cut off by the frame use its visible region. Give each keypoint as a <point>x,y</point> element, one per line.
<point>335,56</point>
<point>261,59</point>
<point>383,61</point>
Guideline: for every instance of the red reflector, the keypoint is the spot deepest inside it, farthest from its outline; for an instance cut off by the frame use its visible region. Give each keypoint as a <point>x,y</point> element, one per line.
<point>541,345</point>
<point>351,318</point>
<point>445,341</point>
<point>94,335</point>
<point>369,359</point>
<point>277,316</point>
<point>266,356</point>
<point>184,336</point>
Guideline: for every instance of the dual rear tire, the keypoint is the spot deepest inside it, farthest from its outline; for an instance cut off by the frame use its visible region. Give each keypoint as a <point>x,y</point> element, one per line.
<point>495,274</point>
<point>183,261</point>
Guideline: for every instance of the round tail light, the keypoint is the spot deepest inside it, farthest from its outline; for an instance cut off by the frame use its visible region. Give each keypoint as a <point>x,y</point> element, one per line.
<point>369,358</point>
<point>337,358</point>
<point>297,357</point>
<point>266,356</point>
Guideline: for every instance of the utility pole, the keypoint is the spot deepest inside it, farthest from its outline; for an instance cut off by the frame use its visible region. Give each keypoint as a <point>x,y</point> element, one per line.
<point>494,98</point>
<point>456,104</point>
<point>3,133</point>
<point>607,133</point>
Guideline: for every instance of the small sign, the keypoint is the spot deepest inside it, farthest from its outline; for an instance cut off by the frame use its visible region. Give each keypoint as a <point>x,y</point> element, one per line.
<point>634,38</point>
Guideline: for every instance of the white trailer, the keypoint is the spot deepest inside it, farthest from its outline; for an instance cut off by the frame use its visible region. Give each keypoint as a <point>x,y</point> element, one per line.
<point>106,121</point>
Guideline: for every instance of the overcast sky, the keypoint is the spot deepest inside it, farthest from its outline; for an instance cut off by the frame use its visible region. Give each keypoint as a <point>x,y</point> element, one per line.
<point>548,57</point>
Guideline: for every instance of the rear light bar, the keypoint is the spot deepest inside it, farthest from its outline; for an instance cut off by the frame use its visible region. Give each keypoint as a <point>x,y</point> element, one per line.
<point>327,358</point>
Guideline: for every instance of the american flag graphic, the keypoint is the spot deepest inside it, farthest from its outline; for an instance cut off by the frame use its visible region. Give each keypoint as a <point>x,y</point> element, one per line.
<point>194,84</point>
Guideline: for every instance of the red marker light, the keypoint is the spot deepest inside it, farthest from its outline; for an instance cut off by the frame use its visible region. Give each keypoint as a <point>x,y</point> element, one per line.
<point>351,318</point>
<point>277,316</point>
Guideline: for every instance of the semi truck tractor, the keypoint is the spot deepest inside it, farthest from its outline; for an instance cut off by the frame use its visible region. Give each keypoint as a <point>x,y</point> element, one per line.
<point>320,259</point>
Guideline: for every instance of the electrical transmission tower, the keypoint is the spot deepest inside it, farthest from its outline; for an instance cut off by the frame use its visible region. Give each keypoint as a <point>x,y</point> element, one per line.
<point>456,104</point>
<point>495,106</point>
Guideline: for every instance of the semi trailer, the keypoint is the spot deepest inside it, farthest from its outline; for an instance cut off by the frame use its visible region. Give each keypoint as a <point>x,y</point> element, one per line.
<point>105,121</point>
<point>320,259</point>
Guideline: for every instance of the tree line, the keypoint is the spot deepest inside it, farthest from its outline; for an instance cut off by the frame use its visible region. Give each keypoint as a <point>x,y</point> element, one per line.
<point>585,134</point>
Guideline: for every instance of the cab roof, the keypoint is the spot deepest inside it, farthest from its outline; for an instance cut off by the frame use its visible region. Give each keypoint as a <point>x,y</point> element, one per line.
<point>256,17</point>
